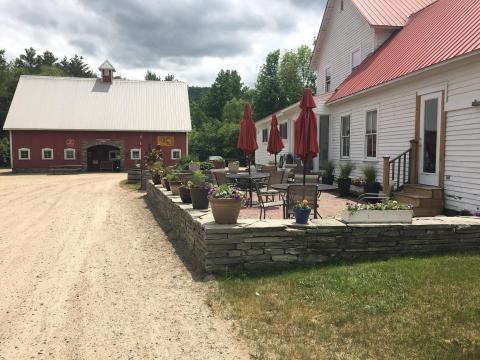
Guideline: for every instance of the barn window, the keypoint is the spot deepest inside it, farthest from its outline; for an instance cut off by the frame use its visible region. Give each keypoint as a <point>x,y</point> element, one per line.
<point>135,154</point>
<point>69,154</point>
<point>371,134</point>
<point>176,154</point>
<point>47,154</point>
<point>24,154</point>
<point>114,155</point>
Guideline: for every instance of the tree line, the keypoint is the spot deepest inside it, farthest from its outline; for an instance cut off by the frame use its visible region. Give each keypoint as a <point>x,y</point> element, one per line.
<point>215,111</point>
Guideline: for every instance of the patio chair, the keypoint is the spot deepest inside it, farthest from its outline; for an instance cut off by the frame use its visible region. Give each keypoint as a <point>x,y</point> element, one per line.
<point>376,197</point>
<point>276,177</point>
<point>220,177</point>
<point>298,193</point>
<point>309,179</point>
<point>268,168</point>
<point>264,203</point>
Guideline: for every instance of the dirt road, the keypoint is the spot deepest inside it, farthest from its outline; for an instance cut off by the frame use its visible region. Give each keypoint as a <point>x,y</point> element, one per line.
<point>86,273</point>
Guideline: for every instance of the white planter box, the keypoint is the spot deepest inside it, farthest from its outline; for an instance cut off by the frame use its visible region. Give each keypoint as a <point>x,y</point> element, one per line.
<point>377,216</point>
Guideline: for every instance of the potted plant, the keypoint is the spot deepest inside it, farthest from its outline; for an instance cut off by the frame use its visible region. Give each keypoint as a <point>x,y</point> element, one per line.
<point>157,171</point>
<point>206,165</point>
<point>225,201</point>
<point>194,165</point>
<point>174,182</point>
<point>327,174</point>
<point>184,192</point>
<point>389,211</point>
<point>218,162</point>
<point>199,190</point>
<point>233,166</point>
<point>302,212</point>
<point>344,181</point>
<point>370,175</point>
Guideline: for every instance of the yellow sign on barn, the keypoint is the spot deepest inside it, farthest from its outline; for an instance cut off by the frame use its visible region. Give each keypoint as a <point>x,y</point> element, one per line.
<point>165,140</point>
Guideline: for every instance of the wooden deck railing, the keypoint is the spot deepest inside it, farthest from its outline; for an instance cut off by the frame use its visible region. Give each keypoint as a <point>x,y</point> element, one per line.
<point>402,169</point>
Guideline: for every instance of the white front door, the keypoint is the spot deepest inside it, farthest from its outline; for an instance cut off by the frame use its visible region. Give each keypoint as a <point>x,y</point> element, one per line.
<point>429,139</point>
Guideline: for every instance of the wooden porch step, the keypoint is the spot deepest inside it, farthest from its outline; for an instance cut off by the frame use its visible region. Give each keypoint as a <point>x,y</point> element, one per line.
<point>426,200</point>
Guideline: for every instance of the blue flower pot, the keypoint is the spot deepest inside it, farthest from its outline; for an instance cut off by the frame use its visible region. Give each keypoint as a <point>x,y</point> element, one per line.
<point>302,215</point>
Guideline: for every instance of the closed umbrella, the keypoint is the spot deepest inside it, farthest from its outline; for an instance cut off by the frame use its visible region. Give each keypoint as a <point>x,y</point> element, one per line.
<point>306,144</point>
<point>275,143</point>
<point>247,139</point>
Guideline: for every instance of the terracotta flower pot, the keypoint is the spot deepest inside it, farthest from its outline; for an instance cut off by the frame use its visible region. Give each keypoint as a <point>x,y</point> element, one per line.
<point>185,194</point>
<point>174,187</point>
<point>199,198</point>
<point>225,211</point>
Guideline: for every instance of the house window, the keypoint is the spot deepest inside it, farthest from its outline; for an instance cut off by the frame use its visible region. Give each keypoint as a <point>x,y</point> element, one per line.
<point>284,131</point>
<point>69,154</point>
<point>356,58</point>
<point>135,154</point>
<point>328,78</point>
<point>176,154</point>
<point>371,134</point>
<point>265,135</point>
<point>47,154</point>
<point>24,154</point>
<point>114,155</point>
<point>345,137</point>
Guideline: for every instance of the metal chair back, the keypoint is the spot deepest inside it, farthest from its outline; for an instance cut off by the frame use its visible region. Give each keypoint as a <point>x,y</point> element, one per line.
<point>298,193</point>
<point>276,177</point>
<point>309,179</point>
<point>220,176</point>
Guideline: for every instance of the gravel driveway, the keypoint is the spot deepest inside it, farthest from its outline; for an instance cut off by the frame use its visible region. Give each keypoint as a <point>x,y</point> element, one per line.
<point>86,273</point>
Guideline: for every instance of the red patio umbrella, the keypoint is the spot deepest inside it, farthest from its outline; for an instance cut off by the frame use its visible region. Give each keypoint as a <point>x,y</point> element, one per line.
<point>247,139</point>
<point>306,144</point>
<point>275,143</point>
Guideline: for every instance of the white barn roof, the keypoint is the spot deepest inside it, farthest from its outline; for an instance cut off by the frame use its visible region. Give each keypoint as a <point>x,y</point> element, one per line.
<point>54,103</point>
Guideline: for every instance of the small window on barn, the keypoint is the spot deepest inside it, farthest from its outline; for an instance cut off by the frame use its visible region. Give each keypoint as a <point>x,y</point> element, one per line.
<point>24,154</point>
<point>265,135</point>
<point>176,154</point>
<point>47,154</point>
<point>135,154</point>
<point>114,155</point>
<point>69,154</point>
<point>284,131</point>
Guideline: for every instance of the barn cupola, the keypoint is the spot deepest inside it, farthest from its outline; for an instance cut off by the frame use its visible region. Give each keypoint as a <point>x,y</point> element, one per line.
<point>107,70</point>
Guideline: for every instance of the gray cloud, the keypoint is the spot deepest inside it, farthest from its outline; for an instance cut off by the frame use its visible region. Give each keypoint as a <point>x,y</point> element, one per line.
<point>167,33</point>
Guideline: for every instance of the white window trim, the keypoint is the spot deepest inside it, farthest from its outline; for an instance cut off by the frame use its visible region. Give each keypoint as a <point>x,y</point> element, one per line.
<point>365,157</point>
<point>351,57</point>
<point>349,137</point>
<point>43,153</point>
<point>325,77</point>
<point>139,154</point>
<point>65,154</point>
<point>20,152</point>
<point>179,156</point>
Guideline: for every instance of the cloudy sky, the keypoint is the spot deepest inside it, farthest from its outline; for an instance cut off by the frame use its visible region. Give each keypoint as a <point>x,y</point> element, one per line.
<point>192,39</point>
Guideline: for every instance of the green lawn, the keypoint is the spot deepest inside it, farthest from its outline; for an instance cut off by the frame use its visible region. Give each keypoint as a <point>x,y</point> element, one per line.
<point>130,186</point>
<point>408,308</point>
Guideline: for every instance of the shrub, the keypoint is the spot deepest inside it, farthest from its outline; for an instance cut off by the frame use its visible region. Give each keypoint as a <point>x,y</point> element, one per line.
<point>370,174</point>
<point>328,168</point>
<point>346,170</point>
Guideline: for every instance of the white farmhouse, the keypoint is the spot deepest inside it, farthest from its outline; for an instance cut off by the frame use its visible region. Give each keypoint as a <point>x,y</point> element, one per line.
<point>398,87</point>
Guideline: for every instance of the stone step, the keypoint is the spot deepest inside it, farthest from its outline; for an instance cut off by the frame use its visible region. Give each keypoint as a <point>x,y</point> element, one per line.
<point>418,200</point>
<point>427,212</point>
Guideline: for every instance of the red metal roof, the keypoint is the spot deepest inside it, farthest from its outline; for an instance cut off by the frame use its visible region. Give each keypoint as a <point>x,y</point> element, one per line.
<point>390,13</point>
<point>442,31</point>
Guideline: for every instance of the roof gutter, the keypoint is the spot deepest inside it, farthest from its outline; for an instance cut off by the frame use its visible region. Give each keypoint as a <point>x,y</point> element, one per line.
<point>408,76</point>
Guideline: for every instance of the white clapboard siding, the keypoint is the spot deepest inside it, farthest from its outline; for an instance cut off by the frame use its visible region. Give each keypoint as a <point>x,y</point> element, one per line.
<point>396,105</point>
<point>346,31</point>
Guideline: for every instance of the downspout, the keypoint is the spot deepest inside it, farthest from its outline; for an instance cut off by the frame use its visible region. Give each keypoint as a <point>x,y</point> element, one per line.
<point>11,149</point>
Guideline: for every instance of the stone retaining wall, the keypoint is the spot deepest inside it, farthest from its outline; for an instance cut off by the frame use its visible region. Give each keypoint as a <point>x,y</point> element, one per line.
<point>266,244</point>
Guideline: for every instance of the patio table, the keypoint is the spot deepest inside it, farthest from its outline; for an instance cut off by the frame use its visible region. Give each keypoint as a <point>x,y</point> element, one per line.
<point>249,178</point>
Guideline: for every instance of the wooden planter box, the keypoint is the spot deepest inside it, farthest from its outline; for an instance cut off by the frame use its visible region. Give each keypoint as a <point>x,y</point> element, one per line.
<point>377,216</point>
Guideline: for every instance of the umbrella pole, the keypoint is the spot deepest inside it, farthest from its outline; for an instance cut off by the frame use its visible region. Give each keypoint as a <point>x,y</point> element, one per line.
<point>275,161</point>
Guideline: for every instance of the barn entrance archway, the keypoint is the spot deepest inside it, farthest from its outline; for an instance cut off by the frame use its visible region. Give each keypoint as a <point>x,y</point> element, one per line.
<point>103,158</point>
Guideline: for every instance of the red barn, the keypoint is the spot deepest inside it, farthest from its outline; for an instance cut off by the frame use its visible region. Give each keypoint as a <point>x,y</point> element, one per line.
<point>55,121</point>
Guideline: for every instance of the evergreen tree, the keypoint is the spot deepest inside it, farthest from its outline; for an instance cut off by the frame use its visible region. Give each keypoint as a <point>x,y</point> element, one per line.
<point>227,85</point>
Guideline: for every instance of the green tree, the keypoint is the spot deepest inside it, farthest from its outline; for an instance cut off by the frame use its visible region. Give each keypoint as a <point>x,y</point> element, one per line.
<point>227,85</point>
<point>150,75</point>
<point>47,59</point>
<point>304,54</point>
<point>75,67</point>
<point>169,77</point>
<point>290,77</point>
<point>29,60</point>
<point>269,96</point>
<point>233,111</point>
